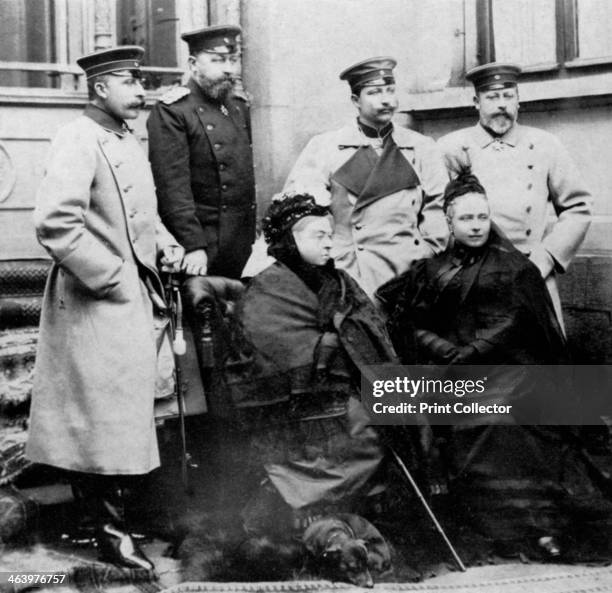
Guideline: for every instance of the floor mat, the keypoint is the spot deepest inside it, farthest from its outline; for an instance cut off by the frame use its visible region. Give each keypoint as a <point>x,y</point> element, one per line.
<point>558,580</point>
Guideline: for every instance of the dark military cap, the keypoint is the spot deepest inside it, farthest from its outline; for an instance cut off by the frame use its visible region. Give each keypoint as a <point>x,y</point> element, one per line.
<point>123,57</point>
<point>220,39</point>
<point>371,72</point>
<point>495,75</point>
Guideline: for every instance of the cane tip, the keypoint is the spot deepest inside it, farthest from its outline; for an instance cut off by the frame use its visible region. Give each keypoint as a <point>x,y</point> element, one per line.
<point>179,346</point>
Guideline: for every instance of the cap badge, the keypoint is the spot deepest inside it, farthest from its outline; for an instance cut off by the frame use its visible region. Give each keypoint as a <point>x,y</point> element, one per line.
<point>497,77</point>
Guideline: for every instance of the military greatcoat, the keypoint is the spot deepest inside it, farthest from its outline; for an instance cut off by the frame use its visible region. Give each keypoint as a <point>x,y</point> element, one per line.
<point>201,156</point>
<point>385,218</point>
<point>537,195</point>
<point>94,384</point>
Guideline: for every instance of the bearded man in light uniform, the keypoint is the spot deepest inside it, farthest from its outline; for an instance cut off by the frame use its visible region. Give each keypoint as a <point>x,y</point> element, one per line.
<point>537,195</point>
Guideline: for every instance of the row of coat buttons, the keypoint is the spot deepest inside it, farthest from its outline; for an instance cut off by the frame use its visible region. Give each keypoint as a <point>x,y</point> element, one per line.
<point>132,213</point>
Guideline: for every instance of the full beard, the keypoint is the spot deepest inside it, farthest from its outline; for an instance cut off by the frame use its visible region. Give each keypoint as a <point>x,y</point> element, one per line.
<point>217,90</point>
<point>499,124</point>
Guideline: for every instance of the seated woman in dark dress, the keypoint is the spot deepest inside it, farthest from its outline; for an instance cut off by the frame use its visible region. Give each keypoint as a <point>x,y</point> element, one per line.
<point>310,329</point>
<point>482,302</point>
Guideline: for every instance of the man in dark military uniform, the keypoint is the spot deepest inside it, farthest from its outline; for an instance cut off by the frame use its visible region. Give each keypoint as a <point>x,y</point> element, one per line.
<point>200,151</point>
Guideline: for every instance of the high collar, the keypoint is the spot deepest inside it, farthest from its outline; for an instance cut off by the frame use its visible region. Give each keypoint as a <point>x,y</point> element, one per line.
<point>371,132</point>
<point>351,136</point>
<point>484,138</point>
<point>106,120</point>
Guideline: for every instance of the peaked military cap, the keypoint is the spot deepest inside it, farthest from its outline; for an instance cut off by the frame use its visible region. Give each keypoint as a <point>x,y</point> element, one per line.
<point>495,75</point>
<point>220,39</point>
<point>371,72</point>
<point>123,57</point>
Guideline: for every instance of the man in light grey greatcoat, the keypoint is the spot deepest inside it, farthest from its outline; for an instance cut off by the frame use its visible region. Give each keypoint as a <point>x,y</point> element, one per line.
<point>96,366</point>
<point>383,183</point>
<point>537,195</point>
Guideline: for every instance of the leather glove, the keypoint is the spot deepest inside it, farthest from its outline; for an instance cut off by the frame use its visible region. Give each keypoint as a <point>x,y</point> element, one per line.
<point>465,355</point>
<point>439,349</point>
<point>212,289</point>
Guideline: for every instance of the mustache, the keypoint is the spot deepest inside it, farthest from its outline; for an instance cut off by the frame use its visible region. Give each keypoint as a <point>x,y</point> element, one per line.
<point>226,80</point>
<point>137,104</point>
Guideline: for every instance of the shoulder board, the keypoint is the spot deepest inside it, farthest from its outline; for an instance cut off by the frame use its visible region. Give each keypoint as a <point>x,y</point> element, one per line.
<point>174,94</point>
<point>244,96</point>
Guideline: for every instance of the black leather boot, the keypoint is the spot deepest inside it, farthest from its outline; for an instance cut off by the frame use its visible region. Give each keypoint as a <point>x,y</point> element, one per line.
<point>107,497</point>
<point>118,548</point>
<point>115,544</point>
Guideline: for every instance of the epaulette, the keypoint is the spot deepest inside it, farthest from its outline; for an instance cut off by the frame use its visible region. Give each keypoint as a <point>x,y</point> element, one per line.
<point>174,94</point>
<point>243,95</point>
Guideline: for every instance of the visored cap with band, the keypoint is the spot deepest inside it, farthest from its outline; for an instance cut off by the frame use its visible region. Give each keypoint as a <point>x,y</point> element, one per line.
<point>123,57</point>
<point>495,75</point>
<point>220,39</point>
<point>371,72</point>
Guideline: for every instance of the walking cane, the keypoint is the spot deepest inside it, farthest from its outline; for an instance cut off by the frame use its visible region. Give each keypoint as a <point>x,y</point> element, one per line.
<point>179,347</point>
<point>420,496</point>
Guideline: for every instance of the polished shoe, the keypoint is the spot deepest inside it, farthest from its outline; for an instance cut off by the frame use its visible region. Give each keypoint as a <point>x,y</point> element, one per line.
<point>118,548</point>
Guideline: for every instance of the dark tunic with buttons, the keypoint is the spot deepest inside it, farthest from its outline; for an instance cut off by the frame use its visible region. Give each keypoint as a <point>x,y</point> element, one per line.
<point>200,152</point>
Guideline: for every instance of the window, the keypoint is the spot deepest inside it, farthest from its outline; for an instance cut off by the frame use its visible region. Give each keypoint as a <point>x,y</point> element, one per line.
<point>32,36</point>
<point>41,39</point>
<point>545,34</point>
<point>594,23</point>
<point>152,24</point>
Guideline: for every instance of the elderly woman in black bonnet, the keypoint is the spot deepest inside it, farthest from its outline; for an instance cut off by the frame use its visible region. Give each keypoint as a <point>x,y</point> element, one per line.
<point>310,329</point>
<point>482,302</point>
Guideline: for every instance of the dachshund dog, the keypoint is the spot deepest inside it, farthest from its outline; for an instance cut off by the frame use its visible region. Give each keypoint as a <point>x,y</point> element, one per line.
<point>346,547</point>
